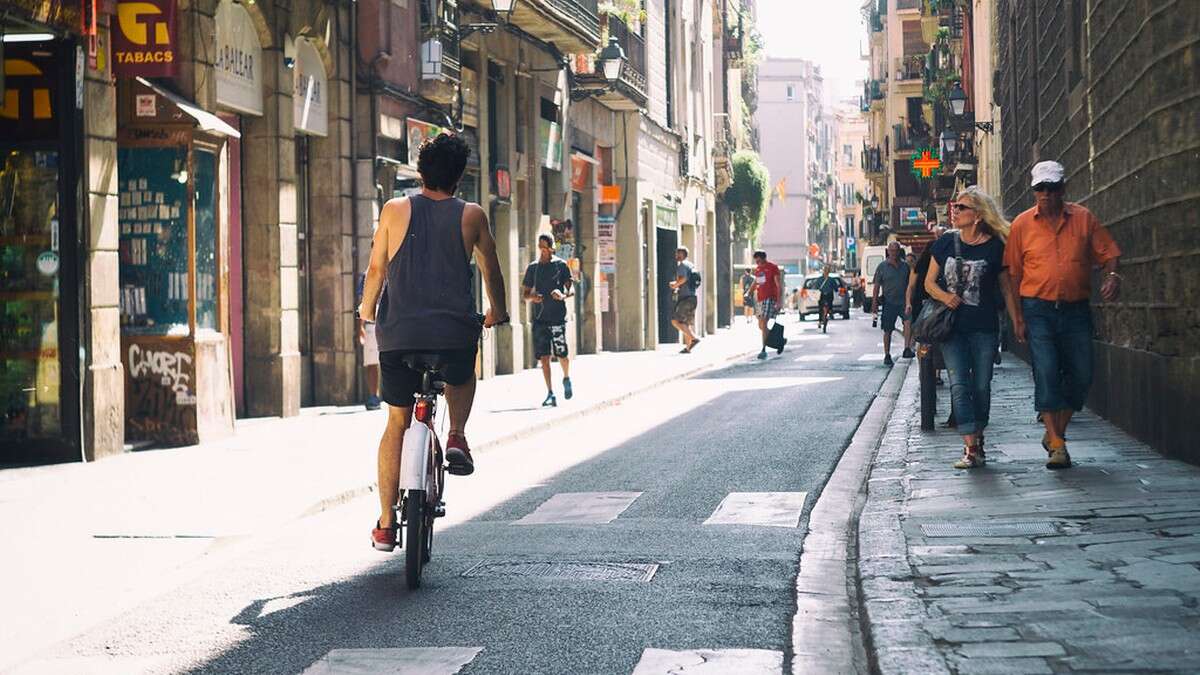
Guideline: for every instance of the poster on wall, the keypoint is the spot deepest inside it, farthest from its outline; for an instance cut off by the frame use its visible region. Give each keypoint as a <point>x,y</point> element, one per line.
<point>238,61</point>
<point>606,244</point>
<point>564,238</point>
<point>310,111</point>
<point>145,42</point>
<point>550,143</point>
<point>417,132</point>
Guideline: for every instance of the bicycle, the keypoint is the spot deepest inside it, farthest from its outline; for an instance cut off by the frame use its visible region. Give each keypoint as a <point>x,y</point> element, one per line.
<point>826,309</point>
<point>422,468</point>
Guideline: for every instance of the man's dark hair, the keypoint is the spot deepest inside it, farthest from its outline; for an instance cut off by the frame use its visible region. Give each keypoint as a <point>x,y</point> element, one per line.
<point>684,250</point>
<point>760,254</point>
<point>441,162</point>
<point>546,238</point>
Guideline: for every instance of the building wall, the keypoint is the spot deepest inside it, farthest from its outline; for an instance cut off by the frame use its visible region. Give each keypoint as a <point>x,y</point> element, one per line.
<point>787,150</point>
<point>851,129</point>
<point>1122,120</point>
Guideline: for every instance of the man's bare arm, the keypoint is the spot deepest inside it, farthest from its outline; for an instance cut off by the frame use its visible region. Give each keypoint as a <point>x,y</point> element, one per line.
<point>489,265</point>
<point>376,268</point>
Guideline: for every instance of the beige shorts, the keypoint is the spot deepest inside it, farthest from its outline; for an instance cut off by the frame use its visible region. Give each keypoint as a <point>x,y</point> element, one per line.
<point>370,346</point>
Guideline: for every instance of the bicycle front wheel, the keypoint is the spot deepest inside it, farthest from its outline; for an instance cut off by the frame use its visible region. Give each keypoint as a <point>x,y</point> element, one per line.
<point>415,536</point>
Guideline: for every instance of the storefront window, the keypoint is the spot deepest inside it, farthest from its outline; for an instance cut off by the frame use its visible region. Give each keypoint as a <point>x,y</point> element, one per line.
<point>206,240</point>
<point>29,359</point>
<point>154,240</point>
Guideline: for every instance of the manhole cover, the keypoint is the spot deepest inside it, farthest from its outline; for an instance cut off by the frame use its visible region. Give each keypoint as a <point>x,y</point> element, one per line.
<point>990,529</point>
<point>585,571</point>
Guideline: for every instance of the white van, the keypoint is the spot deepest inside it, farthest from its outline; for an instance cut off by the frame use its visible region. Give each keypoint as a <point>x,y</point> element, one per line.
<point>872,257</point>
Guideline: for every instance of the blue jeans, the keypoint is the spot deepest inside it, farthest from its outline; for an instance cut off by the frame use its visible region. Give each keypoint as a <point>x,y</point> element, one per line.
<point>969,360</point>
<point>1060,340</point>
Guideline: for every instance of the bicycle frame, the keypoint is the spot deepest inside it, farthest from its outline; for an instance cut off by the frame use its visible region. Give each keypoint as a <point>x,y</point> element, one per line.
<point>418,445</point>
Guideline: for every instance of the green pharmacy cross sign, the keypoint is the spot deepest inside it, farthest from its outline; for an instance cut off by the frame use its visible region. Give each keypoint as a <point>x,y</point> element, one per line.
<point>925,162</point>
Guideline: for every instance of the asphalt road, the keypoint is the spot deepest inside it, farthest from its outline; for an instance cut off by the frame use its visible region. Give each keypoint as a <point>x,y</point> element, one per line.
<point>285,601</point>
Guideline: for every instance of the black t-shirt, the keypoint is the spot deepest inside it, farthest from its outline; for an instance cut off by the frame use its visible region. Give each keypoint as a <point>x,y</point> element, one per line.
<point>544,278</point>
<point>981,285</point>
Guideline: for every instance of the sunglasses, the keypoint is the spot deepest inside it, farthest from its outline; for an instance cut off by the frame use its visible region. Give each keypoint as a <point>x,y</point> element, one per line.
<point>962,207</point>
<point>1048,187</point>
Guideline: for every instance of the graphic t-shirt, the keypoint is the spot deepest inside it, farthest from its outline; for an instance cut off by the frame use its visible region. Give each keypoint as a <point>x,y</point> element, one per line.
<point>980,275</point>
<point>684,269</point>
<point>545,278</point>
<point>767,276</point>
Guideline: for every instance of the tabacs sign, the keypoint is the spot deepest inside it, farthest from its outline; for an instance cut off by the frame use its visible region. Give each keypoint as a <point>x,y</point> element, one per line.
<point>144,42</point>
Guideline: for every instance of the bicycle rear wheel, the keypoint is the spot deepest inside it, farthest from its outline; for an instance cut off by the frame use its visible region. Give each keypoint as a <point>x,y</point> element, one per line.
<point>416,531</point>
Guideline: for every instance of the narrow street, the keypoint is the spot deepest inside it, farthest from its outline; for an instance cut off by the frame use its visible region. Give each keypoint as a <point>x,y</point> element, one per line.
<point>669,458</point>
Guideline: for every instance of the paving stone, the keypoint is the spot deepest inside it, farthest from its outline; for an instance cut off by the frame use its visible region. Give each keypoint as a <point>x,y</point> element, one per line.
<point>951,634</point>
<point>1012,649</point>
<point>1030,607</point>
<point>931,570</point>
<point>944,591</point>
<point>1155,574</point>
<point>1141,600</point>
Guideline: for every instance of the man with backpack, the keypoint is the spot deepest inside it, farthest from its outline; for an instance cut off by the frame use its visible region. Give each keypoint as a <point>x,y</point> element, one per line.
<point>687,279</point>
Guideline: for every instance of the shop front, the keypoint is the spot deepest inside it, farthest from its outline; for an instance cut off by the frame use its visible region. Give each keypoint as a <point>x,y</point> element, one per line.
<point>173,267</point>
<point>39,271</point>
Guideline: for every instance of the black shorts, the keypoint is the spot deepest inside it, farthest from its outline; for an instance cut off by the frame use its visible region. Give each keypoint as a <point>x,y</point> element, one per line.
<point>550,340</point>
<point>890,313</point>
<point>399,384</point>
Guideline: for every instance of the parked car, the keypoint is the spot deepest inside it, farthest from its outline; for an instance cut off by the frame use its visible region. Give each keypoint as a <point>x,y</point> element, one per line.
<point>810,297</point>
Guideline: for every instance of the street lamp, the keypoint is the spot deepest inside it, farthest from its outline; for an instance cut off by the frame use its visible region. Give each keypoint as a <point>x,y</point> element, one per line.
<point>949,141</point>
<point>611,61</point>
<point>503,8</point>
<point>958,108</point>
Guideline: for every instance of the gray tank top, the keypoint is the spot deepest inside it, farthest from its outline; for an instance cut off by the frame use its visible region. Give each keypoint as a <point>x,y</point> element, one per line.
<point>427,302</point>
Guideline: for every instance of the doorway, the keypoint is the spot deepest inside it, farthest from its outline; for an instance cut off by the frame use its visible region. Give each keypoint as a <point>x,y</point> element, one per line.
<point>304,274</point>
<point>666,241</point>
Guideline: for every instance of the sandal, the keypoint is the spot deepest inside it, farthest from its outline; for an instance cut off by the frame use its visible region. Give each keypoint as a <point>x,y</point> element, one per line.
<point>972,458</point>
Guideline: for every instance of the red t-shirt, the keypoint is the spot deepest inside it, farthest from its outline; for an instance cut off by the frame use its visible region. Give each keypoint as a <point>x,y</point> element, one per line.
<point>767,276</point>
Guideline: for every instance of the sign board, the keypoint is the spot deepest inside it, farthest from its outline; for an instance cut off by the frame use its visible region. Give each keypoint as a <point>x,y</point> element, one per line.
<point>851,244</point>
<point>581,172</point>
<point>310,107</point>
<point>238,60</point>
<point>606,244</point>
<point>145,42</point>
<point>417,132</point>
<point>563,232</point>
<point>610,194</point>
<point>925,163</point>
<point>550,144</point>
<point>666,218</point>
<point>912,217</point>
<point>146,105</point>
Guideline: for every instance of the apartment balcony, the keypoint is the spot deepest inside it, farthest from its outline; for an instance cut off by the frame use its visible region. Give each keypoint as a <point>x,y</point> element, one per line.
<point>572,25</point>
<point>873,164</point>
<point>905,6</point>
<point>910,68</point>
<point>629,92</point>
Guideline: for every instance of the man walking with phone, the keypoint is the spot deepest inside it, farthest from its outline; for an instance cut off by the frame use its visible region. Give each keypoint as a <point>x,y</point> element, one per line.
<point>685,299</point>
<point>547,285</point>
<point>891,282</point>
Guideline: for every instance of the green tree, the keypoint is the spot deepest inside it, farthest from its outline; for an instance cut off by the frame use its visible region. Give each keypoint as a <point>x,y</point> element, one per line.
<point>749,194</point>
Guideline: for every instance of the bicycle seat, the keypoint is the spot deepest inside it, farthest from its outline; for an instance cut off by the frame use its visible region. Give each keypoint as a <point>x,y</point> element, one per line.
<point>425,362</point>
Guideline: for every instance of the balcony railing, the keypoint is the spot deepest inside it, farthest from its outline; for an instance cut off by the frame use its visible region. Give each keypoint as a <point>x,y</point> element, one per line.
<point>909,4</point>
<point>873,90</point>
<point>872,159</point>
<point>910,67</point>
<point>572,25</point>
<point>634,72</point>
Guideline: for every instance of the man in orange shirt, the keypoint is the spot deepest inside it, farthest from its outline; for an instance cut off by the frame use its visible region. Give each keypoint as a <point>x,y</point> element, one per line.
<point>1050,255</point>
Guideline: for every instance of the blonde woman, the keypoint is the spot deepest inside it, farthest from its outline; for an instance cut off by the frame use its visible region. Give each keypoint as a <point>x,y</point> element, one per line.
<point>967,274</point>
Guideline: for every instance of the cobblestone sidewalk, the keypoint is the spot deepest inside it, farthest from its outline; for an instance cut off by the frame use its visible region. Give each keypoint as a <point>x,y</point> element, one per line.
<point>1016,569</point>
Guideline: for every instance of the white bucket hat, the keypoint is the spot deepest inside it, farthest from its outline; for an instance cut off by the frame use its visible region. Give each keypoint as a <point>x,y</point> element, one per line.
<point>1047,172</point>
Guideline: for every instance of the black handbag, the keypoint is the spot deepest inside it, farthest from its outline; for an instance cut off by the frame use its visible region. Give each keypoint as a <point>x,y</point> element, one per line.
<point>775,338</point>
<point>936,322</point>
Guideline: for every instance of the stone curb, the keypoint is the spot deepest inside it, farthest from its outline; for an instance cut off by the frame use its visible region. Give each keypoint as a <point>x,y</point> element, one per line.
<point>826,631</point>
<point>348,495</point>
<point>892,611</point>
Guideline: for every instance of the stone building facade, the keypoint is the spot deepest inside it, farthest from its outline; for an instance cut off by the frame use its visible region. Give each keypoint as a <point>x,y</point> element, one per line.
<point>1110,89</point>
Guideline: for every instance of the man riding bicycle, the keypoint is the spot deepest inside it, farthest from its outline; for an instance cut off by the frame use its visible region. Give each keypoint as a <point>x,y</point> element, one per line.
<point>826,287</point>
<point>423,250</point>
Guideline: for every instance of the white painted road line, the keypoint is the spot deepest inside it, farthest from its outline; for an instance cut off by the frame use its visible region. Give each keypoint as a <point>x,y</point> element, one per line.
<point>873,356</point>
<point>814,357</point>
<point>408,661</point>
<point>581,507</point>
<point>710,662</point>
<point>769,509</point>
<point>803,338</point>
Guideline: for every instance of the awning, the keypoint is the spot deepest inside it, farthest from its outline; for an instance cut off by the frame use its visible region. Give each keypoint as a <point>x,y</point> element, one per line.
<point>206,120</point>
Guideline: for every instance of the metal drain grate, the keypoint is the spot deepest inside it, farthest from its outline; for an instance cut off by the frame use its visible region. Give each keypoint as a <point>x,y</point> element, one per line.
<point>582,571</point>
<point>983,528</point>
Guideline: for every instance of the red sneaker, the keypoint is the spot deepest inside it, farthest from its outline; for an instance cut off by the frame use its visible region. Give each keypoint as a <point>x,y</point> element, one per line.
<point>458,456</point>
<point>383,538</point>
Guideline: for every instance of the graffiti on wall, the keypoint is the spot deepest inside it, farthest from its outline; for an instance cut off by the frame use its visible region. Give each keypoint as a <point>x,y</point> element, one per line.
<point>160,402</point>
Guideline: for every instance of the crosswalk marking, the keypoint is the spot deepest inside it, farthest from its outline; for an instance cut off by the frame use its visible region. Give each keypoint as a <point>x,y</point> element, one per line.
<point>873,356</point>
<point>710,662</point>
<point>403,661</point>
<point>769,509</point>
<point>815,357</point>
<point>803,338</point>
<point>581,507</point>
